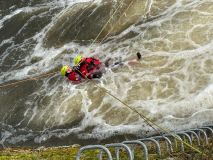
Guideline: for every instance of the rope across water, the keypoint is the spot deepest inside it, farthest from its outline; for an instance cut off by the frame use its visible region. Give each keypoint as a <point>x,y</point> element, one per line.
<point>147,120</point>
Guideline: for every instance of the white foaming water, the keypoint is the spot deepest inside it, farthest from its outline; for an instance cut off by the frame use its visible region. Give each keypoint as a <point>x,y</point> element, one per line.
<point>188,104</point>
<point>9,16</point>
<point>172,84</point>
<point>48,56</point>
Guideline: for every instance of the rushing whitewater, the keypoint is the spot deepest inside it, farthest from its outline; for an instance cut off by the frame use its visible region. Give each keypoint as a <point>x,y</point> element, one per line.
<point>172,84</point>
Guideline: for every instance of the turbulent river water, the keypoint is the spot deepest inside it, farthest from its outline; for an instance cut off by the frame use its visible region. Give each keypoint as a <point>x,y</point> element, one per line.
<point>172,84</point>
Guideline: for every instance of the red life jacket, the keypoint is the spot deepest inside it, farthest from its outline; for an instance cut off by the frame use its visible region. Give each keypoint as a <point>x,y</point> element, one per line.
<point>73,76</point>
<point>88,66</point>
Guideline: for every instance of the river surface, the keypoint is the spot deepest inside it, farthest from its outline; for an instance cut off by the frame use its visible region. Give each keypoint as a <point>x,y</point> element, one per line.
<point>172,84</point>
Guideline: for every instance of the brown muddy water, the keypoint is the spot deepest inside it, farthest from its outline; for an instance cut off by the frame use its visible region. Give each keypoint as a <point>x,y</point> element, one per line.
<point>172,84</point>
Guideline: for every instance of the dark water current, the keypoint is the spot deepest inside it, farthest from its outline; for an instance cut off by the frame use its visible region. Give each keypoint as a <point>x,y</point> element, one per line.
<point>172,84</point>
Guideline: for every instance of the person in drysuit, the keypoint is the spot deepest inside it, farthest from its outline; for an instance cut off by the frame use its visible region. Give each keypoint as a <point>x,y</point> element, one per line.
<point>89,68</point>
<point>70,74</point>
<point>84,68</point>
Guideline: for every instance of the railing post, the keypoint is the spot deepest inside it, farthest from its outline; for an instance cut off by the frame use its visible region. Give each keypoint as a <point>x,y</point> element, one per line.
<point>121,145</point>
<point>156,144</point>
<point>91,147</point>
<point>195,134</point>
<point>208,128</point>
<point>204,133</point>
<point>168,142</point>
<point>141,144</point>
<point>186,135</point>
<point>178,137</point>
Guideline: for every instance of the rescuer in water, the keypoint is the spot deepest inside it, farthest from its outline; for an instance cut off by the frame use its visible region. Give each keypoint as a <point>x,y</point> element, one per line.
<point>84,68</point>
<point>89,68</point>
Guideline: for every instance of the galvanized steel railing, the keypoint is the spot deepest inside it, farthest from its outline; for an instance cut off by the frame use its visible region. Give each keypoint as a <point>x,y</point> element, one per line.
<point>198,135</point>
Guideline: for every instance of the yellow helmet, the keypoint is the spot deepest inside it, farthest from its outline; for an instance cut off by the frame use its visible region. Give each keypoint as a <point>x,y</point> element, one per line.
<point>77,59</point>
<point>64,70</point>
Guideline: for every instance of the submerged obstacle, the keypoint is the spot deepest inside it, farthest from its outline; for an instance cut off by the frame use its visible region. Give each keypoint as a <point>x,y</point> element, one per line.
<point>169,143</point>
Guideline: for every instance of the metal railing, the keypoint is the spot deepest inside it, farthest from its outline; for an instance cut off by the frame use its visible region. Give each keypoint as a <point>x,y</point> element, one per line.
<point>198,136</point>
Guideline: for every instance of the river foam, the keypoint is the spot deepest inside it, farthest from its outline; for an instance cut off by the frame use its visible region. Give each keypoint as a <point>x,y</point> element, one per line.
<point>171,84</point>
